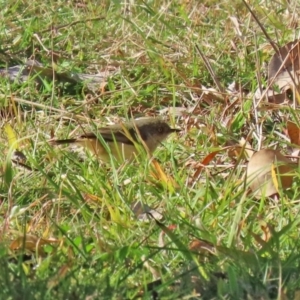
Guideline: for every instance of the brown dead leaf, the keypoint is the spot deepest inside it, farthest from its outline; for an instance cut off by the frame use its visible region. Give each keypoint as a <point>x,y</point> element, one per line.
<point>92,198</point>
<point>287,58</point>
<point>202,246</point>
<point>293,132</point>
<point>31,243</point>
<point>284,68</point>
<point>271,96</point>
<point>241,150</point>
<point>267,230</point>
<point>283,75</point>
<point>268,168</point>
<point>142,211</point>
<point>235,152</point>
<point>277,98</point>
<point>204,163</point>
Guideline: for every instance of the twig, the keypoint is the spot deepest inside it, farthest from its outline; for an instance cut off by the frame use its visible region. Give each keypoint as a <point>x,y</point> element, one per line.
<point>70,24</point>
<point>210,70</point>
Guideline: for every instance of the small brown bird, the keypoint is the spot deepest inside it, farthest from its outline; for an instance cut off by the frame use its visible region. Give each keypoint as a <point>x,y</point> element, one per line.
<point>119,140</point>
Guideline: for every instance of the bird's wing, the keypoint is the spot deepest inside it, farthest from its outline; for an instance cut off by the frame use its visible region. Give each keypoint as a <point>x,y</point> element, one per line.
<point>110,136</point>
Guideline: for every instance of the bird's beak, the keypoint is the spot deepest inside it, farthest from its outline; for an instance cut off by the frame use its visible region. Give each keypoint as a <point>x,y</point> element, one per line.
<point>175,130</point>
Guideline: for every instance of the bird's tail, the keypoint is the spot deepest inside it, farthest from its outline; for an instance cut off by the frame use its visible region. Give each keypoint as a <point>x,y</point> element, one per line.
<point>61,142</point>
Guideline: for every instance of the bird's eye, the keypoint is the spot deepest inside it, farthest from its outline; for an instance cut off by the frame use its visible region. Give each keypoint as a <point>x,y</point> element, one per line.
<point>160,129</point>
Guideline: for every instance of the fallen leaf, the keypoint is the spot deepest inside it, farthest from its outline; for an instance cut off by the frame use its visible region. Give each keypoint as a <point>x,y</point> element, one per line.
<point>293,132</point>
<point>268,171</point>
<point>284,67</point>
<point>267,230</point>
<point>142,211</point>
<point>271,96</point>
<point>287,57</point>
<point>204,163</point>
<point>202,246</point>
<point>31,243</point>
<point>241,150</point>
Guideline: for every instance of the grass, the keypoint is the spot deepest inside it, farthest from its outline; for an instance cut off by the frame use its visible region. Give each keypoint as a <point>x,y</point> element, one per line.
<point>68,229</point>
